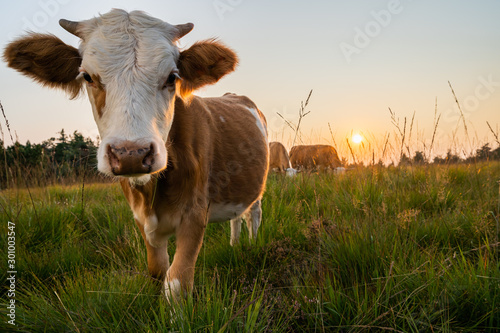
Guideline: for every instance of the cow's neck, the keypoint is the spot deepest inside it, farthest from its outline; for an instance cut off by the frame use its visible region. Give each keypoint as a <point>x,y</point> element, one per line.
<point>187,168</point>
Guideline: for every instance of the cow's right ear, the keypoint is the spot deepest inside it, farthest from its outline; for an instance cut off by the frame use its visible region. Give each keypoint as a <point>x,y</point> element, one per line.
<point>204,63</point>
<point>47,60</point>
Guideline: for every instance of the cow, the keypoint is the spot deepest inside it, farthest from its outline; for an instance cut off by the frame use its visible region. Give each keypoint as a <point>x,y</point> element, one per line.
<point>181,160</point>
<point>279,161</point>
<point>314,157</point>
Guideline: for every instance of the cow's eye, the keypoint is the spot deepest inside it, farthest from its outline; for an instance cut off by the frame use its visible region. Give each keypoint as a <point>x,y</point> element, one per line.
<point>87,77</point>
<point>170,82</point>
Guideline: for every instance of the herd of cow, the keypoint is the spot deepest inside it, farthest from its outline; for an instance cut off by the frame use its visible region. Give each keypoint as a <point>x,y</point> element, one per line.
<point>303,157</point>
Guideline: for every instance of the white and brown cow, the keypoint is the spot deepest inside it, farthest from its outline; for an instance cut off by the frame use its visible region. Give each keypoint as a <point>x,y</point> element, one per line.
<point>182,160</point>
<point>279,161</point>
<point>314,157</point>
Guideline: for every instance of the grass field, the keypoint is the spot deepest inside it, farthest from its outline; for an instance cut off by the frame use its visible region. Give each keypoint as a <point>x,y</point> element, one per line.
<point>410,249</point>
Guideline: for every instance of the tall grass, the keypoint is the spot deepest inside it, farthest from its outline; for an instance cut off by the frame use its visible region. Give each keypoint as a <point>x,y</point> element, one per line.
<point>378,249</point>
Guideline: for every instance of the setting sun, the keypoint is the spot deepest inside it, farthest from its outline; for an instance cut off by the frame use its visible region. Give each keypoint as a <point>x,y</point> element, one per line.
<point>357,138</point>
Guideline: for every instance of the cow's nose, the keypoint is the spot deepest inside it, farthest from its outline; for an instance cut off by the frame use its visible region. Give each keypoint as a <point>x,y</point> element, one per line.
<point>131,159</point>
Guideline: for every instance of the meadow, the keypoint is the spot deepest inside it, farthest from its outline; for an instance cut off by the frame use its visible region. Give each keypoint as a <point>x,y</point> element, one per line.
<point>398,249</point>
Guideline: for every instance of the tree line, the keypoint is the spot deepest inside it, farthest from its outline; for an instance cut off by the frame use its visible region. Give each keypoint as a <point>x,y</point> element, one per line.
<point>65,159</point>
<point>485,153</point>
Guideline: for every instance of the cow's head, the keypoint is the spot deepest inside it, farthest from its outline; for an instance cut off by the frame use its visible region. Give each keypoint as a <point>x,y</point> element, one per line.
<point>133,71</point>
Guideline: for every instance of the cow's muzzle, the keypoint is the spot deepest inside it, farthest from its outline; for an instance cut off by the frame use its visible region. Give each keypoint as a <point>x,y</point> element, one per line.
<point>130,159</point>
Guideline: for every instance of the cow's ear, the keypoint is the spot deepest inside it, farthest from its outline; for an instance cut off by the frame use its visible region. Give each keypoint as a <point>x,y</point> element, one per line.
<point>47,60</point>
<point>204,63</point>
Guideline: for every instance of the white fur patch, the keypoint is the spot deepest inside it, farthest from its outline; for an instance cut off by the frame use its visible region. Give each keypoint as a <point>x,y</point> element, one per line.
<point>173,289</point>
<point>339,170</point>
<point>235,231</point>
<point>222,119</point>
<point>140,181</point>
<point>259,122</point>
<point>224,212</point>
<point>150,228</point>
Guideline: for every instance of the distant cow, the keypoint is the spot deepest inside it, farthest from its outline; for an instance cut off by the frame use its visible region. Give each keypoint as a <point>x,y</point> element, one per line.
<point>314,157</point>
<point>279,161</point>
<point>182,160</point>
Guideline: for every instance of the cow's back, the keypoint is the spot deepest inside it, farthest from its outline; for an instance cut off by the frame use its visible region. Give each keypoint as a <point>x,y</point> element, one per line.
<point>314,157</point>
<point>241,155</point>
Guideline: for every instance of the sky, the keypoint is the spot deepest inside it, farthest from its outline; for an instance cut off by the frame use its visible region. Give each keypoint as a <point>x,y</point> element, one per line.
<point>359,58</point>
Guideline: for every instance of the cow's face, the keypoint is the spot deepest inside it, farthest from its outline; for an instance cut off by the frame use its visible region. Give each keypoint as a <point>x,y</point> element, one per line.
<point>129,64</point>
<point>133,71</point>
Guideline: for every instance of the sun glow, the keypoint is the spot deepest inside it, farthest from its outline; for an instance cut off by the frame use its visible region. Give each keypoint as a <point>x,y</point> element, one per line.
<point>357,138</point>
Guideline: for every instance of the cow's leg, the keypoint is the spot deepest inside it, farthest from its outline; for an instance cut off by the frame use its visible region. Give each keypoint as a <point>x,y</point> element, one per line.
<point>235,230</point>
<point>158,261</point>
<point>253,218</point>
<point>189,238</point>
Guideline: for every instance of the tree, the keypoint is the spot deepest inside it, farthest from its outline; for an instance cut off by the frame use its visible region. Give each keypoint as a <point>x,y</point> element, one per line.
<point>53,160</point>
<point>484,152</point>
<point>451,158</point>
<point>419,158</point>
<point>495,154</point>
<point>404,160</point>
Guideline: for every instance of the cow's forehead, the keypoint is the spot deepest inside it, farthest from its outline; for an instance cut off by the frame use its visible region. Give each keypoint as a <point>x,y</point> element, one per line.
<point>121,41</point>
<point>119,22</point>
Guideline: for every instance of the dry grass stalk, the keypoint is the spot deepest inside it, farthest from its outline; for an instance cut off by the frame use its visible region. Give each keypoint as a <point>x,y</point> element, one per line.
<point>385,145</point>
<point>402,133</point>
<point>6,123</point>
<point>302,114</point>
<point>409,136</point>
<point>461,116</point>
<point>495,134</point>
<point>4,148</point>
<point>293,127</point>
<point>350,149</point>
<point>333,138</point>
<point>436,122</point>
<point>403,139</point>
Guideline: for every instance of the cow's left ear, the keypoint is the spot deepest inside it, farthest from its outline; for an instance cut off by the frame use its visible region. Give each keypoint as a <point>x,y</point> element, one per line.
<point>47,60</point>
<point>204,63</point>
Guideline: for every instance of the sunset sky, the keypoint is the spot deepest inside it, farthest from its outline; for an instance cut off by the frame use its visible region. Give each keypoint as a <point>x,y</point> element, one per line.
<point>360,58</point>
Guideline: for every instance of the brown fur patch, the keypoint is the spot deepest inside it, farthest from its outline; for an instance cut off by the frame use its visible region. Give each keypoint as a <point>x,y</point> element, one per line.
<point>204,63</point>
<point>278,157</point>
<point>47,60</point>
<point>98,94</point>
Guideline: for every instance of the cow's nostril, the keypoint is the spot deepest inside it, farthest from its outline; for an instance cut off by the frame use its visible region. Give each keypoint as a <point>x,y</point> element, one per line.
<point>149,159</point>
<point>114,161</point>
